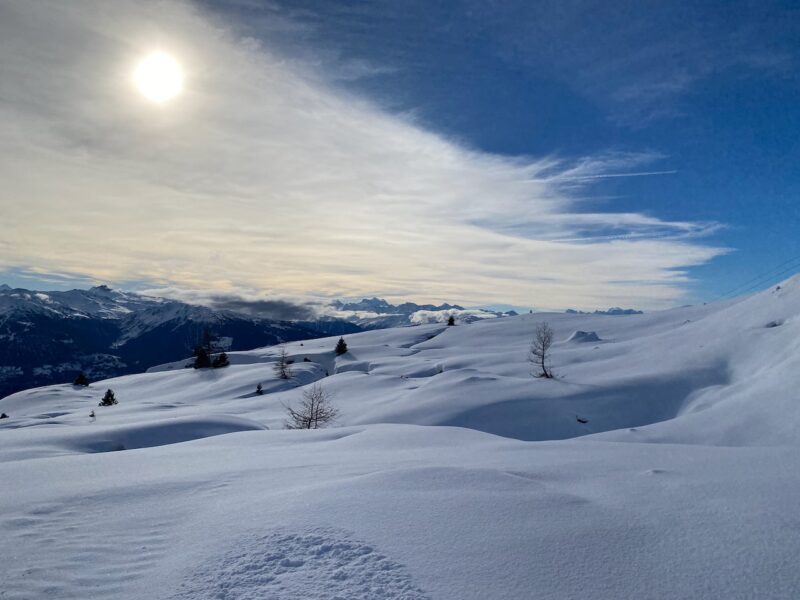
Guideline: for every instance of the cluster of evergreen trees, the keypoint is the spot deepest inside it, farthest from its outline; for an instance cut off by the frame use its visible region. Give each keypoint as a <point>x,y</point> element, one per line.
<point>204,353</point>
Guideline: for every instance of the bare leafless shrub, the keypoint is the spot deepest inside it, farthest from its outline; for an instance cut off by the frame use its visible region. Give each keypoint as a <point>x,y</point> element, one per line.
<point>539,355</point>
<point>316,410</point>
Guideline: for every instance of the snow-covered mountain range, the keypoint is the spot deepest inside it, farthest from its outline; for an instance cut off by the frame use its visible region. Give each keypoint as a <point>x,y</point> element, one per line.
<point>377,313</point>
<point>48,337</point>
<point>662,461</point>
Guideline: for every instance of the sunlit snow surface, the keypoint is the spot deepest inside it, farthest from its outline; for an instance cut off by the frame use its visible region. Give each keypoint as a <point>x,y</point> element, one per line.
<point>681,478</point>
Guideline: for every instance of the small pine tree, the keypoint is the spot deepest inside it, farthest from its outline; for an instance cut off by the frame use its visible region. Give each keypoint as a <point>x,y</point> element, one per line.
<point>81,380</point>
<point>451,320</point>
<point>341,347</point>
<point>202,359</point>
<point>108,399</point>
<point>204,350</point>
<point>207,341</point>
<point>259,389</point>
<point>221,360</point>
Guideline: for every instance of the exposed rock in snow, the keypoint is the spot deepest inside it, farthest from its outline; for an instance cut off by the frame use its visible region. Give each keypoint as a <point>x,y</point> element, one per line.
<point>584,336</point>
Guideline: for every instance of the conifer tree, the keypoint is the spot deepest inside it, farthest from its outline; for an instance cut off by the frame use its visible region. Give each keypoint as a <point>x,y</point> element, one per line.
<point>221,360</point>
<point>204,350</point>
<point>108,399</point>
<point>81,380</point>
<point>202,359</point>
<point>451,320</point>
<point>259,389</point>
<point>341,347</point>
<point>208,341</point>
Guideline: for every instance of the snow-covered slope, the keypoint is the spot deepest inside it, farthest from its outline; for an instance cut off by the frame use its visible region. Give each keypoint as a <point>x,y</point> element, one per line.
<point>681,481</point>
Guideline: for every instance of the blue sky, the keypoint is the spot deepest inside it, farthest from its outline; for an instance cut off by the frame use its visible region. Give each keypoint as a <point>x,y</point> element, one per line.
<point>475,152</point>
<point>712,87</point>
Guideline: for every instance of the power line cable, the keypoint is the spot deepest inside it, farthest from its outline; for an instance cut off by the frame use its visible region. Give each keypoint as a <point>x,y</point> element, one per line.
<point>762,278</point>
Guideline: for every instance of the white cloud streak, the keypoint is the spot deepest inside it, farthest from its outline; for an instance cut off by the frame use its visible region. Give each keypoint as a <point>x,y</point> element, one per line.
<point>264,176</point>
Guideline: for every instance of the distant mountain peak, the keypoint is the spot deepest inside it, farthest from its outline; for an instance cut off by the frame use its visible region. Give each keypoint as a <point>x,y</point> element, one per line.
<point>614,310</point>
<point>381,307</point>
<point>101,289</point>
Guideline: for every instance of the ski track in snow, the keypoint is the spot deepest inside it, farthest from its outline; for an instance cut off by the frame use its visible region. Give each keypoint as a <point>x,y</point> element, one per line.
<point>323,564</point>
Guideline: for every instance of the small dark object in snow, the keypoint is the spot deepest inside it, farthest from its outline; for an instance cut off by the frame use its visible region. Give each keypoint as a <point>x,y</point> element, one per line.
<point>341,347</point>
<point>451,321</point>
<point>306,359</point>
<point>81,380</point>
<point>91,415</point>
<point>3,416</point>
<point>259,389</point>
<point>582,421</point>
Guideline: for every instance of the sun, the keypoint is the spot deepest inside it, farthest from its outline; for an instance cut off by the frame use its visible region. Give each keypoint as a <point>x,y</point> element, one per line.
<point>158,77</point>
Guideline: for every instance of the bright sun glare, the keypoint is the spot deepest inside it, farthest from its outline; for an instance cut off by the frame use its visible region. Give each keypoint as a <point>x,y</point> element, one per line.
<point>159,77</point>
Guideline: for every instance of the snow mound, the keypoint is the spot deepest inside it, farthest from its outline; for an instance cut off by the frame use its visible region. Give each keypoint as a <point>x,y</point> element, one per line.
<point>160,433</point>
<point>323,564</point>
<point>584,336</point>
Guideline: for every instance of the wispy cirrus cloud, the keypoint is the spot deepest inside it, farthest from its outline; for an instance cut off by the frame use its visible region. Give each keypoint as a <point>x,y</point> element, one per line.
<point>265,175</point>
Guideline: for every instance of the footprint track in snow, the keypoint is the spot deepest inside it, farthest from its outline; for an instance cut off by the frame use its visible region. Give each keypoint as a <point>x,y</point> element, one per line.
<point>323,564</point>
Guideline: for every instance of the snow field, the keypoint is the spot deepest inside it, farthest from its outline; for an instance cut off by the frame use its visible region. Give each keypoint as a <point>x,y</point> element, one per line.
<point>679,479</point>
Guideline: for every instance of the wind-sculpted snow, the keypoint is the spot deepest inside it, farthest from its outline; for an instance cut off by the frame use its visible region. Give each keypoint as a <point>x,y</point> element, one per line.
<point>160,433</point>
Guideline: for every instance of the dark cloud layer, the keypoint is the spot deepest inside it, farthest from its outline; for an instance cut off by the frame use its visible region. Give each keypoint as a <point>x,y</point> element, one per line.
<point>280,310</point>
